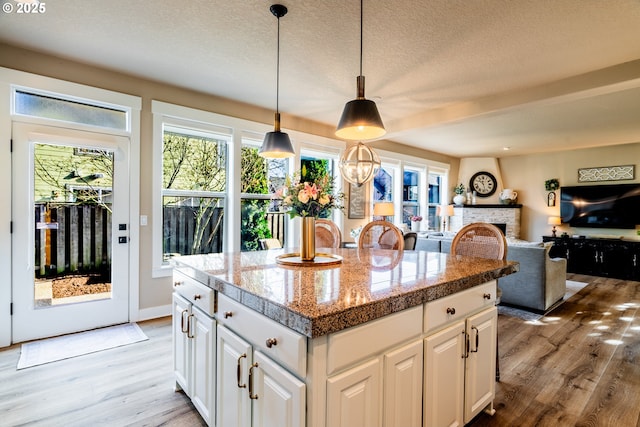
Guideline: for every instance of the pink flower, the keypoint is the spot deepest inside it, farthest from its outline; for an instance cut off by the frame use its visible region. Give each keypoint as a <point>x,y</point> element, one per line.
<point>303,196</point>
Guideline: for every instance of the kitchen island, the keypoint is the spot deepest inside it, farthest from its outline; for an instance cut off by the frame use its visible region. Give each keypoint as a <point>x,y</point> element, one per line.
<point>382,338</point>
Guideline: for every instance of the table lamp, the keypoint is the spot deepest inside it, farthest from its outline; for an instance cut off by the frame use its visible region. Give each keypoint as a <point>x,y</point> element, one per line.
<point>554,220</point>
<point>383,209</point>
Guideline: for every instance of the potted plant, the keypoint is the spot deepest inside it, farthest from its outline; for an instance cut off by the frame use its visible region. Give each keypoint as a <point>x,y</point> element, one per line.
<point>459,198</point>
<point>415,223</point>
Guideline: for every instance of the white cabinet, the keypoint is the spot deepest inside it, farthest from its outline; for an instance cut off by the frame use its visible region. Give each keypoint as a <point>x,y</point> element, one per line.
<point>376,373</point>
<point>253,389</point>
<point>459,374</point>
<point>194,340</point>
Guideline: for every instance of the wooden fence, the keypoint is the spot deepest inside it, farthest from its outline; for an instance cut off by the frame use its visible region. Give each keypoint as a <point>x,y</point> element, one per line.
<point>76,238</point>
<point>72,239</point>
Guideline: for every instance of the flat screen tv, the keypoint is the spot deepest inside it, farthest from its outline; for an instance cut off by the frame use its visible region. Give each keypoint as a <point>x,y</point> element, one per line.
<point>601,206</point>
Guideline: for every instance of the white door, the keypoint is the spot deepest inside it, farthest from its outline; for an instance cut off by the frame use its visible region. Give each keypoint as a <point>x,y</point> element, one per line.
<point>234,357</point>
<point>480,379</point>
<point>444,356</point>
<point>279,398</point>
<point>70,214</point>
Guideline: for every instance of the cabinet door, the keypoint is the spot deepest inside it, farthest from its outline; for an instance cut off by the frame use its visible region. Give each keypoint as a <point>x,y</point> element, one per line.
<point>444,354</point>
<point>203,333</point>
<point>402,386</point>
<point>353,397</point>
<point>480,376</point>
<point>279,398</point>
<point>181,343</point>
<point>234,357</point>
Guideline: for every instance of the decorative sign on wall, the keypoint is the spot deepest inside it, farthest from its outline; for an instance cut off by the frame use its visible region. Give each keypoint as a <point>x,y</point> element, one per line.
<point>606,173</point>
<point>357,202</point>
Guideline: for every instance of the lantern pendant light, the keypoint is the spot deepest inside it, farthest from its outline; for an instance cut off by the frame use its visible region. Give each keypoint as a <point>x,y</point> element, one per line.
<point>359,164</point>
<point>360,119</point>
<point>277,144</point>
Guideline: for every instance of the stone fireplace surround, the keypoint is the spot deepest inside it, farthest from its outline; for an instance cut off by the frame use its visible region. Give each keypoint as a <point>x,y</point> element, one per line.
<point>493,214</point>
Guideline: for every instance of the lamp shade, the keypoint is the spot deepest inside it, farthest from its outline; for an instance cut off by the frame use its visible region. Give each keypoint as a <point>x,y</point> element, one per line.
<point>383,209</point>
<point>276,144</point>
<point>359,164</point>
<point>449,210</point>
<point>554,220</point>
<point>360,118</point>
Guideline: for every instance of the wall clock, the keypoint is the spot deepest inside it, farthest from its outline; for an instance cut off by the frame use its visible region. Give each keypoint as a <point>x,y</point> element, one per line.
<point>483,183</point>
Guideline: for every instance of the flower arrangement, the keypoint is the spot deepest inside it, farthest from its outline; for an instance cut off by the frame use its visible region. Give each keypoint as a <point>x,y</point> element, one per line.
<point>416,218</point>
<point>309,198</point>
<point>459,189</point>
<point>551,184</point>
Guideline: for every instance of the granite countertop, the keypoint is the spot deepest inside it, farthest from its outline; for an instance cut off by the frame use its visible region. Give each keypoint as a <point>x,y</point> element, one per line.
<point>318,300</point>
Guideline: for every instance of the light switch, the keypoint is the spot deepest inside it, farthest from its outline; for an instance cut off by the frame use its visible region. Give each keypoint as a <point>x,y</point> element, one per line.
<point>143,220</point>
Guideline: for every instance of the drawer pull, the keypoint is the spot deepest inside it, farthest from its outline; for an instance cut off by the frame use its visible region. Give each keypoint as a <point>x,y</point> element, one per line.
<point>228,314</point>
<point>178,283</point>
<point>197,296</point>
<point>271,342</point>
<point>451,310</point>
<point>251,395</point>
<point>239,371</point>
<point>486,296</point>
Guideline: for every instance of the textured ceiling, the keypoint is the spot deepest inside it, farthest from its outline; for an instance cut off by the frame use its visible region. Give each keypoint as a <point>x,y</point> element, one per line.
<point>460,77</point>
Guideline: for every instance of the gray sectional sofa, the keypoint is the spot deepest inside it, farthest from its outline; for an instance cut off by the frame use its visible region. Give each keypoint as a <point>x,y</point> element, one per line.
<point>538,286</point>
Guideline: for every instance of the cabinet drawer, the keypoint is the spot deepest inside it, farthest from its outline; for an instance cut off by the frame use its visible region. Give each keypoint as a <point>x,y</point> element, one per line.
<point>354,344</point>
<point>454,307</point>
<point>275,340</point>
<point>195,292</point>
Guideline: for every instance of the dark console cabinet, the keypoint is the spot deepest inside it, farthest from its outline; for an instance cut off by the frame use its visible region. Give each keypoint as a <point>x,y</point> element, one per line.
<point>598,257</point>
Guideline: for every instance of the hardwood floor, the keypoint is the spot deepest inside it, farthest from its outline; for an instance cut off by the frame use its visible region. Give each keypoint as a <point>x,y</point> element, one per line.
<point>579,366</point>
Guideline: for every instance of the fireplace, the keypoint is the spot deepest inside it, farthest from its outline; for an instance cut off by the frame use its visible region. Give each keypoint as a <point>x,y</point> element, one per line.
<point>505,217</point>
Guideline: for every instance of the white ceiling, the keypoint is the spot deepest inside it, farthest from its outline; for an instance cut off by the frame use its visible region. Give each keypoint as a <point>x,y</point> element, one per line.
<point>460,77</point>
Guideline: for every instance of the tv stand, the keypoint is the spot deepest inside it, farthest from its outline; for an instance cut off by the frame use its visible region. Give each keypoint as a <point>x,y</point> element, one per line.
<point>615,258</point>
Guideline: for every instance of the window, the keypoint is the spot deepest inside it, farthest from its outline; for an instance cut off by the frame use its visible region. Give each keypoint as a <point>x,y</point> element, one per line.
<point>411,200</point>
<point>261,217</point>
<point>436,187</point>
<point>194,181</point>
<point>71,111</point>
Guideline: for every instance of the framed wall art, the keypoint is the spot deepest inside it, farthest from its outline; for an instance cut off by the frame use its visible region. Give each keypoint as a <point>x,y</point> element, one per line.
<point>606,173</point>
<point>357,202</point>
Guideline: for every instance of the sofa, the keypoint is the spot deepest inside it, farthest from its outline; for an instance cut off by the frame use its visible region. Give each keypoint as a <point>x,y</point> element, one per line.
<point>538,286</point>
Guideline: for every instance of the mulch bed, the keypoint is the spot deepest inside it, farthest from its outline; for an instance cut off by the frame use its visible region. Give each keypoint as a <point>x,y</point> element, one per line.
<point>79,285</point>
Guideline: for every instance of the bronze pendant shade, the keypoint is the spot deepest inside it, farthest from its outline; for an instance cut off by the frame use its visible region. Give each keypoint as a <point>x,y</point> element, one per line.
<point>277,144</point>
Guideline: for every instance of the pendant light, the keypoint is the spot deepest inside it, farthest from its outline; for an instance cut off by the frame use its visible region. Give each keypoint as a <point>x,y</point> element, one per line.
<point>360,119</point>
<point>359,164</point>
<point>277,144</point>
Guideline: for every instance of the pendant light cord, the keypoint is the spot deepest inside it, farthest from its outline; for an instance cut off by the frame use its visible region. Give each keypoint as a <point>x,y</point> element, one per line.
<point>361,37</point>
<point>278,71</point>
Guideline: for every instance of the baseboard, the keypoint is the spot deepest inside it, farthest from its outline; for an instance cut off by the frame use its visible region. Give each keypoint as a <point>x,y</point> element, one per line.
<point>154,312</point>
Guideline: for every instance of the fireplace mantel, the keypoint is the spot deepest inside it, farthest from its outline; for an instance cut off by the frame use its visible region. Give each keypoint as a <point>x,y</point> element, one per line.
<point>493,214</point>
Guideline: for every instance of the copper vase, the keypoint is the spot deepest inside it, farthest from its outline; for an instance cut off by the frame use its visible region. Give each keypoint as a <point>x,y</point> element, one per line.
<point>308,238</point>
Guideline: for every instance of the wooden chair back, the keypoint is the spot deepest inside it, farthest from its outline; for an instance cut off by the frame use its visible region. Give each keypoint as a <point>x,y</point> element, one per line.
<point>328,235</point>
<point>381,235</point>
<point>481,240</point>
